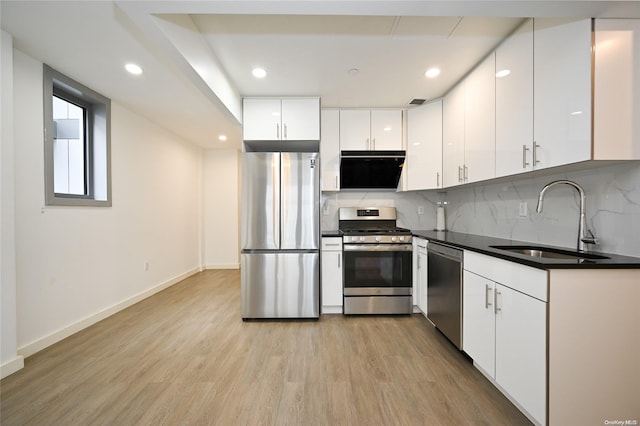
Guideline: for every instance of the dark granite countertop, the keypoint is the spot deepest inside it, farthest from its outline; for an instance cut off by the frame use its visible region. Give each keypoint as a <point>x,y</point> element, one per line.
<point>482,244</point>
<point>332,233</point>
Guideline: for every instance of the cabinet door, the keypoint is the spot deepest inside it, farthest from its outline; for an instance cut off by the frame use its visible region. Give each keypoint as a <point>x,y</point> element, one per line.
<point>480,122</point>
<point>261,119</point>
<point>386,130</point>
<point>330,150</point>
<point>424,147</point>
<point>453,136</point>
<point>514,102</point>
<point>562,91</point>
<point>331,265</point>
<point>422,279</point>
<point>478,321</point>
<point>301,119</point>
<point>616,126</point>
<point>521,349</point>
<point>355,128</point>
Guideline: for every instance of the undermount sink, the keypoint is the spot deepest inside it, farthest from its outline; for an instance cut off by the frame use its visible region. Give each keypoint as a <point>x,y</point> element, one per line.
<point>549,253</point>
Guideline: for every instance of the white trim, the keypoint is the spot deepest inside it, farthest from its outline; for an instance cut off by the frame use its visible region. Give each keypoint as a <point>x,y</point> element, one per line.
<point>223,266</point>
<point>44,342</point>
<point>11,366</point>
<point>331,310</point>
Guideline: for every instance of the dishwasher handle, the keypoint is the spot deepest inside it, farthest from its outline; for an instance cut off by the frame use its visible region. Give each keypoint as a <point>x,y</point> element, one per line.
<point>445,251</point>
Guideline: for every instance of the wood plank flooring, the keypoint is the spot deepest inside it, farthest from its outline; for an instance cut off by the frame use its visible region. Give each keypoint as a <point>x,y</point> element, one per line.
<point>184,357</point>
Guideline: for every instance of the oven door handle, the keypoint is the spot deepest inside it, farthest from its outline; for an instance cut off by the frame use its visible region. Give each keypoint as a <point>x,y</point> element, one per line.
<point>377,247</point>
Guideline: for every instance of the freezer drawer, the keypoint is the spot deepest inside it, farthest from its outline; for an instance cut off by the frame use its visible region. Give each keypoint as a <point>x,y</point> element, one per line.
<point>280,285</point>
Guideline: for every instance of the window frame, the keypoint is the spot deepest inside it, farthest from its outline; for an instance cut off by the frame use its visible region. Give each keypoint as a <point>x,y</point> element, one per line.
<point>97,129</point>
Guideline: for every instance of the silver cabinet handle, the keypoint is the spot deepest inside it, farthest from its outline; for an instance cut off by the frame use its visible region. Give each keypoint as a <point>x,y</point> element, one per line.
<point>336,187</point>
<point>418,262</point>
<point>284,126</point>
<point>495,301</point>
<point>459,174</point>
<point>332,245</point>
<point>277,131</point>
<point>466,173</point>
<point>524,156</point>
<point>437,179</point>
<point>339,260</point>
<point>535,153</point>
<point>487,303</point>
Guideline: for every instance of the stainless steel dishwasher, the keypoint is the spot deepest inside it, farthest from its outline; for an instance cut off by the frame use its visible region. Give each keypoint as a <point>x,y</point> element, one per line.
<point>444,290</point>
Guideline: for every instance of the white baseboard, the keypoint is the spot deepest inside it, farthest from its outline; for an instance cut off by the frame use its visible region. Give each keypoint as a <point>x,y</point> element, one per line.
<point>331,310</point>
<point>11,366</point>
<point>39,344</point>
<point>223,266</point>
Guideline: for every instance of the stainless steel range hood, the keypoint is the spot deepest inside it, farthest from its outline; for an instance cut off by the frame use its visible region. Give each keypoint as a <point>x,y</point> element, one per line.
<point>371,170</point>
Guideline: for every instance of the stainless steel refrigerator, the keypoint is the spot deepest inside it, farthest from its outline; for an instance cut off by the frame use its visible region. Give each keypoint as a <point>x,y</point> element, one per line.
<point>280,257</point>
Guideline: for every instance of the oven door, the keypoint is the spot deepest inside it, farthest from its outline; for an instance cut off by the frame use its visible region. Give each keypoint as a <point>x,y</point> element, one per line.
<point>377,269</point>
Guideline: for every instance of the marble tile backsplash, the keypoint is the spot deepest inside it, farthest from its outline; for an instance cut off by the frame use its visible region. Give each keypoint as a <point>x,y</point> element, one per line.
<point>494,209</point>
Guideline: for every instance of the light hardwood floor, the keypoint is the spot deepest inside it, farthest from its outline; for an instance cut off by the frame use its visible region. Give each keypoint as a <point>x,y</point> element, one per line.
<point>184,356</point>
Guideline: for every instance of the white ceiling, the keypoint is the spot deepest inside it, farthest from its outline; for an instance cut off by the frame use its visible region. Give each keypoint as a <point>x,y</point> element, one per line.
<point>197,55</point>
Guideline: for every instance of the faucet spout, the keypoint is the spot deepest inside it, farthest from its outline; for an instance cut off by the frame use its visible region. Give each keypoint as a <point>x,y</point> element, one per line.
<point>584,235</point>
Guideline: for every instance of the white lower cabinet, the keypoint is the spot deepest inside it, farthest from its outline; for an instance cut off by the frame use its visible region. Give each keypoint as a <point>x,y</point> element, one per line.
<point>420,299</point>
<point>331,275</point>
<point>504,328</point>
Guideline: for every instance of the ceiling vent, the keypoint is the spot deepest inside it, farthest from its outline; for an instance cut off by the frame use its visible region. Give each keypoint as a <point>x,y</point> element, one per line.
<point>417,101</point>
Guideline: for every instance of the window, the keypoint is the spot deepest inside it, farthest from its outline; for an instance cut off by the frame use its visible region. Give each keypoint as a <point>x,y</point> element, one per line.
<point>77,143</point>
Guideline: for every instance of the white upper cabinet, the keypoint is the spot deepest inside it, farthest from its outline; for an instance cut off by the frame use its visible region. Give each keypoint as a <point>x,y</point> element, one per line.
<point>479,122</point>
<point>355,129</point>
<point>379,130</point>
<point>386,130</point>
<point>616,125</point>
<point>562,92</point>
<point>424,147</point>
<point>261,119</point>
<point>330,149</point>
<point>269,119</point>
<point>453,136</point>
<point>468,133</point>
<point>514,102</point>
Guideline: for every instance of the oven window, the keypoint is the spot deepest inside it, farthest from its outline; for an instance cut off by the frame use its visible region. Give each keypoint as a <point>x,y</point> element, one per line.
<point>377,269</point>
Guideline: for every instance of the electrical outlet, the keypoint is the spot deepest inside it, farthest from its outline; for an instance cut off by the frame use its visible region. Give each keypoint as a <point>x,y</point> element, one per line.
<point>420,209</point>
<point>146,265</point>
<point>524,209</point>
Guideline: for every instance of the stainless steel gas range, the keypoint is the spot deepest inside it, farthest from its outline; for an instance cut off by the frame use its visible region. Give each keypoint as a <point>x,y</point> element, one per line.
<point>377,262</point>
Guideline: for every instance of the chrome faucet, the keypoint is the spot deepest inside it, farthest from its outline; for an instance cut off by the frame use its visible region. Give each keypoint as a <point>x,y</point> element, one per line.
<point>585,236</point>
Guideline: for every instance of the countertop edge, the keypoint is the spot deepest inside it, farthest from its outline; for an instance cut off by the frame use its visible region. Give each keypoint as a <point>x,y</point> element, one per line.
<point>481,244</point>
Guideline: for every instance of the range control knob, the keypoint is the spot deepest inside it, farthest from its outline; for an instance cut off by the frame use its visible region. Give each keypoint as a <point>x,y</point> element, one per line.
<point>401,238</point>
<point>394,238</point>
<point>378,238</point>
<point>362,239</point>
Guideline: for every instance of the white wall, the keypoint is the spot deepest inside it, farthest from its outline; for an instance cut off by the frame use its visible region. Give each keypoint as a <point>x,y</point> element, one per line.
<point>221,206</point>
<point>77,265</point>
<point>9,359</point>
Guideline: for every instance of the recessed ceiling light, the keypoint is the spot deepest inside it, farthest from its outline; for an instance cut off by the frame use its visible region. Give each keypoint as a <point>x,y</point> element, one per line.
<point>259,73</point>
<point>576,113</point>
<point>133,69</point>
<point>503,73</point>
<point>387,128</point>
<point>222,138</point>
<point>432,72</point>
